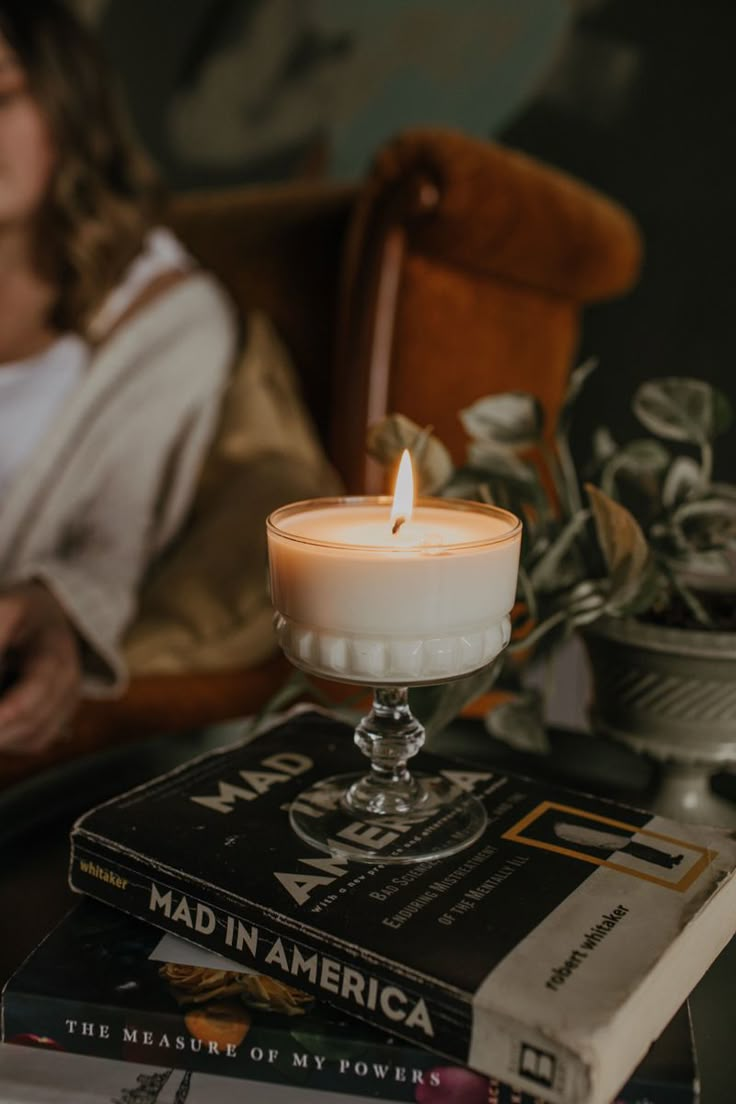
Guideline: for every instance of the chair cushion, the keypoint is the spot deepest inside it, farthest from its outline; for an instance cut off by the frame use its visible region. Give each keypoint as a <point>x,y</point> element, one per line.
<point>205,604</point>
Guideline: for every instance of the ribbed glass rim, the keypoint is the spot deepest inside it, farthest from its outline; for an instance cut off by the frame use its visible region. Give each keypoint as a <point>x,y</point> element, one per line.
<point>459,505</point>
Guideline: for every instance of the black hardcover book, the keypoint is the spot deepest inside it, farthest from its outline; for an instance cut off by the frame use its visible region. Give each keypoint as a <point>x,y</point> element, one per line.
<point>107,985</point>
<point>549,954</point>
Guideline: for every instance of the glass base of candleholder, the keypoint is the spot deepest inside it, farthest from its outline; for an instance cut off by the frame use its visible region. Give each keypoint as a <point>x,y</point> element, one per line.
<point>440,820</point>
<point>389,814</point>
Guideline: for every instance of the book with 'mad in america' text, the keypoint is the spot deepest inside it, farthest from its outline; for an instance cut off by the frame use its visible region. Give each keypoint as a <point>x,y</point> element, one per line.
<point>106,985</point>
<point>548,954</point>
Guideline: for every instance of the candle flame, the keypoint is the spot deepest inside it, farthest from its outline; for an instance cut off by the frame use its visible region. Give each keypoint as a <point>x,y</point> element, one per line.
<point>403,504</point>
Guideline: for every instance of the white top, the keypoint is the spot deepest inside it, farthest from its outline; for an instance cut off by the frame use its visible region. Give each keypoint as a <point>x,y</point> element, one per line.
<point>33,390</point>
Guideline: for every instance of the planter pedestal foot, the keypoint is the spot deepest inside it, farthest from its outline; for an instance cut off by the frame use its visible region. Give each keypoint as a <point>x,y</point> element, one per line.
<point>684,793</point>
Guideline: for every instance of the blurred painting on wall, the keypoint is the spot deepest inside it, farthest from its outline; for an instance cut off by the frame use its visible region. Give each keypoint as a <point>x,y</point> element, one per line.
<point>224,92</point>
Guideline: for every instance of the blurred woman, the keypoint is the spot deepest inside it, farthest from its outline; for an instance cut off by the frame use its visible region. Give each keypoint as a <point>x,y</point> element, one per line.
<point>114,354</point>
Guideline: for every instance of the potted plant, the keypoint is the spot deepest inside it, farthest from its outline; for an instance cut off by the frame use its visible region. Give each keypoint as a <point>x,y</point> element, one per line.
<point>640,559</point>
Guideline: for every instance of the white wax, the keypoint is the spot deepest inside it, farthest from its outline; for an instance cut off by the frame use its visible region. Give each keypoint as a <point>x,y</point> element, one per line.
<point>357,602</point>
<point>370,526</point>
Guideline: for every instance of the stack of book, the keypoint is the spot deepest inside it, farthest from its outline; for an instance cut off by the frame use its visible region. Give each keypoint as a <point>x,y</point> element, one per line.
<point>539,963</point>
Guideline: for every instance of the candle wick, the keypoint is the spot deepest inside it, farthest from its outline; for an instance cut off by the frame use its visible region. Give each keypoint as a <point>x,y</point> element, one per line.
<point>397,525</point>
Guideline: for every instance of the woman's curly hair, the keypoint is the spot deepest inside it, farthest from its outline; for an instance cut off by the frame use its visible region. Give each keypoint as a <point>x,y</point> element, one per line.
<point>104,194</point>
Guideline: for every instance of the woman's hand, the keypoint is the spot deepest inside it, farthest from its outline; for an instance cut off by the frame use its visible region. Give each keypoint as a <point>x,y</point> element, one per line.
<point>38,641</point>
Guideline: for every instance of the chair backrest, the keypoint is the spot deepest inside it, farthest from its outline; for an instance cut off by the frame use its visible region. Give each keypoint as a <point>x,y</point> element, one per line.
<point>278,248</point>
<point>466,268</point>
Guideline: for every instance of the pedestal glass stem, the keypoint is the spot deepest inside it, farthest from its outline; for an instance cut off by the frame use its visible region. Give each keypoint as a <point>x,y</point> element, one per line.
<point>389,735</point>
<point>388,814</point>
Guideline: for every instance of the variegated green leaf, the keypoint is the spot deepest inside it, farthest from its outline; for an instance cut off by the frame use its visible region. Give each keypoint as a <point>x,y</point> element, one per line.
<point>500,462</point>
<point>586,602</point>
<point>604,445</point>
<point>640,459</point>
<point>682,409</point>
<point>519,723</point>
<point>433,464</point>
<point>625,550</point>
<point>514,419</point>
<point>575,384</point>
<point>683,479</point>
<point>707,523</point>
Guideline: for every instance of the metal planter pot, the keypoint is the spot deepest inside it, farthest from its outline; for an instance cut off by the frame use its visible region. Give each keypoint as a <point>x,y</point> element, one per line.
<point>670,693</point>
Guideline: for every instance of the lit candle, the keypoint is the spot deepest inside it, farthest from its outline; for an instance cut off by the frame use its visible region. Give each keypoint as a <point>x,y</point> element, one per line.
<point>393,592</point>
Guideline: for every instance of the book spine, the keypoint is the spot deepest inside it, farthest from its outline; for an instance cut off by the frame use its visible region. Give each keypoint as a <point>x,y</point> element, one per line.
<point>273,1055</point>
<point>381,997</point>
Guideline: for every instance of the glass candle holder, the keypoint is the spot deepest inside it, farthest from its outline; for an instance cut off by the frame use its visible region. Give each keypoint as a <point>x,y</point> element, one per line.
<point>361,600</point>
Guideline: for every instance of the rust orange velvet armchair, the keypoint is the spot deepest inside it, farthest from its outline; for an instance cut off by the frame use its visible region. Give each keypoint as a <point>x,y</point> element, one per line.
<point>466,269</point>
<point>455,269</point>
